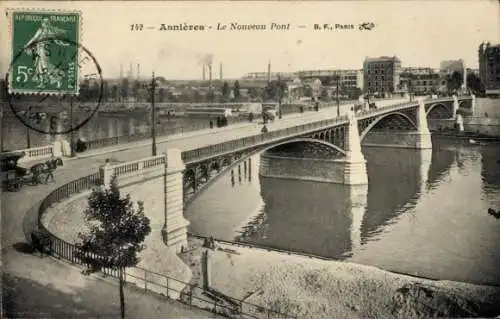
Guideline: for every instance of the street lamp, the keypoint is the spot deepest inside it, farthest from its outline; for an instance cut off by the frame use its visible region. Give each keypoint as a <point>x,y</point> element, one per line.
<point>153,115</point>
<point>337,95</point>
<point>72,136</point>
<point>316,87</point>
<point>1,127</point>
<point>280,95</point>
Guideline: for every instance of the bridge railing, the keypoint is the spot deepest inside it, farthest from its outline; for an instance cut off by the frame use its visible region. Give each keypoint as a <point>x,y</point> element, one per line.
<point>37,153</point>
<point>226,147</point>
<point>137,165</point>
<point>136,137</point>
<point>384,109</point>
<point>229,146</point>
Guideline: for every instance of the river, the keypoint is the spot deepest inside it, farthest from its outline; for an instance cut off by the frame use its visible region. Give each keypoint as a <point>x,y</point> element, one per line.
<point>423,213</point>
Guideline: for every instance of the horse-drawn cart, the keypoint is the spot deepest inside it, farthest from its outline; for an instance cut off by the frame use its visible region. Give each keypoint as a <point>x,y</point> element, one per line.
<point>15,175</point>
<point>12,174</point>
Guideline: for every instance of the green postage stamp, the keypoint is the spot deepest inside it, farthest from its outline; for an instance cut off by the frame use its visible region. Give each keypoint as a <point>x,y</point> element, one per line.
<point>44,51</point>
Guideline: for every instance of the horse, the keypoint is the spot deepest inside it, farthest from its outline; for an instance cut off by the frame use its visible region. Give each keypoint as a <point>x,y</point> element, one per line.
<point>494,213</point>
<point>44,168</point>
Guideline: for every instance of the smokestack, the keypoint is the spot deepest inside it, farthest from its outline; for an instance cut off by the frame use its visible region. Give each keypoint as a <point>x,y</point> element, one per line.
<point>220,71</point>
<point>203,69</point>
<point>269,71</point>
<point>130,71</point>
<point>138,72</point>
<point>210,72</point>
<point>121,71</point>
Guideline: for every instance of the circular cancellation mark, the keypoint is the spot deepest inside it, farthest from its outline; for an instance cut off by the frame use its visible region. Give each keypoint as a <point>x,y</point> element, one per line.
<point>44,92</point>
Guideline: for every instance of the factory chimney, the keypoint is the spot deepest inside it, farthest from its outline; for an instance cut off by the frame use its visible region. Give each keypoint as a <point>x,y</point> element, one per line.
<point>220,72</point>
<point>203,66</point>
<point>138,72</point>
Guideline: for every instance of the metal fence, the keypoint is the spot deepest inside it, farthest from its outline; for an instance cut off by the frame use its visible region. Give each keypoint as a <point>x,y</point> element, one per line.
<point>187,293</point>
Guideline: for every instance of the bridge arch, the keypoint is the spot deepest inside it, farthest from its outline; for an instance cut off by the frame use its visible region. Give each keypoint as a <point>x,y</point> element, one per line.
<point>385,116</point>
<point>439,108</point>
<point>314,140</point>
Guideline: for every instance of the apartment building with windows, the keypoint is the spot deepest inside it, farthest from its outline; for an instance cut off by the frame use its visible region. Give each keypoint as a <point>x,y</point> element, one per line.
<point>420,80</point>
<point>489,67</point>
<point>381,75</point>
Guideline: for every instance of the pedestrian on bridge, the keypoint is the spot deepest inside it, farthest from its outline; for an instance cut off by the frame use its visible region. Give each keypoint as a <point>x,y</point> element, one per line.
<point>51,165</point>
<point>211,124</point>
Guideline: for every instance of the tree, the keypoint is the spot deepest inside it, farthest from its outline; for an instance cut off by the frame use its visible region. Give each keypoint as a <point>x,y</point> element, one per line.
<point>308,91</point>
<point>116,232</point>
<point>454,82</point>
<point>125,88</point>
<point>114,92</point>
<point>161,95</point>
<point>96,87</point>
<point>324,94</point>
<point>105,90</point>
<point>135,89</point>
<point>225,90</point>
<point>236,90</point>
<point>474,83</point>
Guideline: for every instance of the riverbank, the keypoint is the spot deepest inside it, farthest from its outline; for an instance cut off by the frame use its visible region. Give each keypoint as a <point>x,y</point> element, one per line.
<point>313,288</point>
<point>308,287</point>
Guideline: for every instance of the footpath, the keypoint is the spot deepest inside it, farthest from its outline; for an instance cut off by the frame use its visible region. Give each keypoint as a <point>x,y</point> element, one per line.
<point>50,288</point>
<point>34,286</point>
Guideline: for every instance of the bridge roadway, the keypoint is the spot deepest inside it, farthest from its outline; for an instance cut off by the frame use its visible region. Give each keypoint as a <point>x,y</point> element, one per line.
<point>16,204</point>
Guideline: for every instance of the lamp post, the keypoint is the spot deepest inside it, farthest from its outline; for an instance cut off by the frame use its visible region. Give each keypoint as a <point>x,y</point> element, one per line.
<point>72,133</point>
<point>1,127</point>
<point>337,96</point>
<point>316,88</point>
<point>280,95</point>
<point>153,115</point>
<point>410,87</point>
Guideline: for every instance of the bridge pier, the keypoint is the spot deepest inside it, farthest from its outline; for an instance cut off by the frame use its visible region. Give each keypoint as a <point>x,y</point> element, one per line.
<point>473,105</point>
<point>161,176</point>
<point>354,164</point>
<point>174,230</point>
<point>423,140</point>
<point>455,106</point>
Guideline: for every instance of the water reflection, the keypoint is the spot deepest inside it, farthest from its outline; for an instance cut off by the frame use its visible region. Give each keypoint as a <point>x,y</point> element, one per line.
<point>396,180</point>
<point>316,218</point>
<point>425,212</point>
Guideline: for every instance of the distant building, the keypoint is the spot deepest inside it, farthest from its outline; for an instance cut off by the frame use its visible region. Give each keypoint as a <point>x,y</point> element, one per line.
<point>420,80</point>
<point>348,78</point>
<point>450,66</point>
<point>381,75</point>
<point>446,69</point>
<point>489,67</point>
<point>263,76</point>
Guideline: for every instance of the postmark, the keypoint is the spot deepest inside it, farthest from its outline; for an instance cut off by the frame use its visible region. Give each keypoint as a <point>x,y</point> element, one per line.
<point>55,83</point>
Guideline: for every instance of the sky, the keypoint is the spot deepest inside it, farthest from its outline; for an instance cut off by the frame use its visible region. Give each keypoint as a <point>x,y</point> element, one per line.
<point>420,33</point>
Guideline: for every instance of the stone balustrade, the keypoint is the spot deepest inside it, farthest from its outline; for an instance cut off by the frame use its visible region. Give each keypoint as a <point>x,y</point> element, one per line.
<point>37,153</point>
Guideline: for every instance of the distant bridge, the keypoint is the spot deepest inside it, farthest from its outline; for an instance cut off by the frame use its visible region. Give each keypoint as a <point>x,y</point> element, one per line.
<point>185,174</point>
<point>401,125</point>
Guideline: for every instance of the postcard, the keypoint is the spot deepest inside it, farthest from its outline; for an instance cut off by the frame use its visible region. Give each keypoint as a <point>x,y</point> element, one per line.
<point>250,159</point>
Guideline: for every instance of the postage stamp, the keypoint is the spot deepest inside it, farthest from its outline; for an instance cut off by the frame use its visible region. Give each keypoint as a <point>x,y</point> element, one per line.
<point>48,63</point>
<point>44,61</point>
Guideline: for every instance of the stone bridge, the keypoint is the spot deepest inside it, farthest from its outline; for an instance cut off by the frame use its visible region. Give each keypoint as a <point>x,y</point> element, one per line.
<point>403,125</point>
<point>184,175</point>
